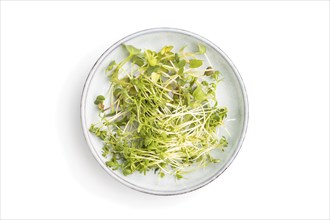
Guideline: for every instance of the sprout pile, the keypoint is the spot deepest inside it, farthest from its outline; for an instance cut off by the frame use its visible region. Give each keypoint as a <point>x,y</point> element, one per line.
<point>160,113</point>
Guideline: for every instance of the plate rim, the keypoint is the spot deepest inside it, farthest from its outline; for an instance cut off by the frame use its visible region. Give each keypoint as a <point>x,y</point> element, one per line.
<point>86,130</point>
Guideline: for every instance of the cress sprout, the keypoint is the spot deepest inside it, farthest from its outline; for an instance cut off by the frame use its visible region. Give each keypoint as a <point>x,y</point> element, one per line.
<point>161,112</point>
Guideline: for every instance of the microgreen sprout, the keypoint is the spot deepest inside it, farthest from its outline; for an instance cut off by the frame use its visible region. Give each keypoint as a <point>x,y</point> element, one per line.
<point>160,112</point>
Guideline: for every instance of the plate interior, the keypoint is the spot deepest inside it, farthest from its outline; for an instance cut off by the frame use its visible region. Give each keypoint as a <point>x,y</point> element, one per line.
<point>229,93</point>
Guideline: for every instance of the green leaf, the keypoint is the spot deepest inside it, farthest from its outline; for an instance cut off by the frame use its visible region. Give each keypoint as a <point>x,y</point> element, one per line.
<point>113,76</point>
<point>199,94</point>
<point>112,164</point>
<point>195,63</point>
<point>181,63</point>
<point>152,69</point>
<point>110,66</point>
<point>127,172</point>
<point>176,57</point>
<point>216,75</point>
<point>151,57</point>
<point>105,151</point>
<point>137,60</point>
<point>132,50</point>
<point>99,99</point>
<point>155,77</point>
<point>223,141</point>
<point>204,83</point>
<point>166,49</point>
<point>92,128</point>
<point>178,176</point>
<point>201,49</point>
<point>180,72</point>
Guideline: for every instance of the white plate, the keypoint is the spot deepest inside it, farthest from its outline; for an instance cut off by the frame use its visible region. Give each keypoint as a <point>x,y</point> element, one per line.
<point>230,93</point>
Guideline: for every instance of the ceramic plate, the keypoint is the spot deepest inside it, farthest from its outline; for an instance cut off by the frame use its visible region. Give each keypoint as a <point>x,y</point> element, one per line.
<point>230,93</point>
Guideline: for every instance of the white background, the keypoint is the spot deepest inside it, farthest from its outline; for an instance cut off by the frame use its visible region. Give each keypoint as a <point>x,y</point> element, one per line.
<point>281,50</point>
